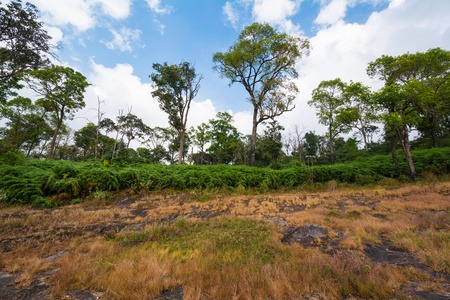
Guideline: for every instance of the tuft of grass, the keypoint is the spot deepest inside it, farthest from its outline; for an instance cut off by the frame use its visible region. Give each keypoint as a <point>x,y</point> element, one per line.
<point>433,247</point>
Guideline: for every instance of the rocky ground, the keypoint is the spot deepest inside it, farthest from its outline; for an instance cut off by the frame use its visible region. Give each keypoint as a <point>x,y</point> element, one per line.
<point>309,219</point>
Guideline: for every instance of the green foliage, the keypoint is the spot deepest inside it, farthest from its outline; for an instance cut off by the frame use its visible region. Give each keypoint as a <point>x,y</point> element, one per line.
<point>263,61</point>
<point>48,183</point>
<point>13,158</point>
<point>24,41</point>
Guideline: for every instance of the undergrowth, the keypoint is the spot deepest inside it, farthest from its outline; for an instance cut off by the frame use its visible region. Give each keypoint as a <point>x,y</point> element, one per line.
<point>50,183</point>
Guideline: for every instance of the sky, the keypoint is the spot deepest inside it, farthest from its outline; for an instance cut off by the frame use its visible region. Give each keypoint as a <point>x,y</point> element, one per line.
<point>114,43</point>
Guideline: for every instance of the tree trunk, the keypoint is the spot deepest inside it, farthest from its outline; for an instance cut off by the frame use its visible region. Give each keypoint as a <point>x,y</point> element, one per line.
<point>42,149</point>
<point>331,148</point>
<point>253,142</point>
<point>55,135</point>
<point>365,138</point>
<point>180,152</point>
<point>201,158</point>
<point>96,145</point>
<point>433,131</point>
<point>29,149</point>
<point>115,144</point>
<point>407,150</point>
<point>394,154</point>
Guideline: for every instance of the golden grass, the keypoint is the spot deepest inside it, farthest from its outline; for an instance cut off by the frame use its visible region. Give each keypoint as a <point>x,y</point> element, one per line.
<point>214,259</point>
<point>210,269</point>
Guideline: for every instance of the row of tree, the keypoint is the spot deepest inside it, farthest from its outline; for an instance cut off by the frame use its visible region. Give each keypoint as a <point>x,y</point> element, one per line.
<point>415,97</point>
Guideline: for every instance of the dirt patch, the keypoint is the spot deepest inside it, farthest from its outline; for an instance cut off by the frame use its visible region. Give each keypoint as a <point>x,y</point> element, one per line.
<point>172,295</point>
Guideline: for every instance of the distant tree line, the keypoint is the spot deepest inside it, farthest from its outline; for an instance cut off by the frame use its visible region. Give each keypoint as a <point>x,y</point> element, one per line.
<point>415,97</point>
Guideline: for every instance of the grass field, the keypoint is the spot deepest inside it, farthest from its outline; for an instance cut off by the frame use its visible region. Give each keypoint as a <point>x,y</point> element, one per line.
<point>382,242</point>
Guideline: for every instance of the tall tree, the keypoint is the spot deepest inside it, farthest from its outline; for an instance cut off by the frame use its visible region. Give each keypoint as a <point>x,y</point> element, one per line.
<point>200,137</point>
<point>86,139</point>
<point>62,90</point>
<point>414,84</point>
<point>271,142</point>
<point>328,99</point>
<point>224,138</point>
<point>132,127</point>
<point>175,88</point>
<point>263,61</point>
<point>25,126</point>
<point>429,88</point>
<point>23,43</point>
<point>358,109</point>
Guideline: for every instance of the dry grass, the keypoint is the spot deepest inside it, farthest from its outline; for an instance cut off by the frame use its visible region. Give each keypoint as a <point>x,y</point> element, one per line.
<point>239,257</point>
<point>233,263</point>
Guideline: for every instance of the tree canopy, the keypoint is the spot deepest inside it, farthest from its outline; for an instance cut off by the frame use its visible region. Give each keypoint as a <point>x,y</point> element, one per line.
<point>175,88</point>
<point>62,91</point>
<point>263,61</point>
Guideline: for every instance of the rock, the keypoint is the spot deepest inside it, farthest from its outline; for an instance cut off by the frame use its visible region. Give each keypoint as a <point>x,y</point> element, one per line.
<point>56,256</point>
<point>304,235</point>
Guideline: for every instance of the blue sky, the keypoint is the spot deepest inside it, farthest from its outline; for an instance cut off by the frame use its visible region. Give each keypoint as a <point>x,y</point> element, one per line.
<point>115,42</point>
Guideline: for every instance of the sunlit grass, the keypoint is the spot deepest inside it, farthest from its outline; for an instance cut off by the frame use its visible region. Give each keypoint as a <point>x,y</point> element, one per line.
<point>220,259</point>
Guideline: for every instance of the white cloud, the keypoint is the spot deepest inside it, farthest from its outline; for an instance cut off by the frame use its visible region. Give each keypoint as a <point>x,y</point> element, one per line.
<point>243,121</point>
<point>120,89</point>
<point>277,13</point>
<point>122,40</point>
<point>155,6</point>
<point>80,13</point>
<point>332,13</point>
<point>55,33</point>
<point>231,14</point>
<point>159,26</point>
<point>74,12</point>
<point>201,112</point>
<point>118,9</point>
<point>344,50</point>
<point>274,11</point>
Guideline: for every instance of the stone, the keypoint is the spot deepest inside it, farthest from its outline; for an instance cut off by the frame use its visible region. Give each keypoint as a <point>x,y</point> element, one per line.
<point>304,235</point>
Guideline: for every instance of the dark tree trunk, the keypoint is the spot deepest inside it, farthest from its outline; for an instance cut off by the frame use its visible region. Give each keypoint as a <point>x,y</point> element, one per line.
<point>403,134</point>
<point>253,142</point>
<point>180,152</point>
<point>55,135</point>
<point>331,149</point>
<point>433,132</point>
<point>29,149</point>
<point>394,154</point>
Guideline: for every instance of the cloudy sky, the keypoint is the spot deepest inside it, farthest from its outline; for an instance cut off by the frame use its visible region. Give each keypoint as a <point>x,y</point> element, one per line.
<point>115,42</point>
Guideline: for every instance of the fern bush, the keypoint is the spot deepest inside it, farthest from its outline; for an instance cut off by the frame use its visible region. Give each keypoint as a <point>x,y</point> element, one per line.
<point>98,179</point>
<point>48,183</point>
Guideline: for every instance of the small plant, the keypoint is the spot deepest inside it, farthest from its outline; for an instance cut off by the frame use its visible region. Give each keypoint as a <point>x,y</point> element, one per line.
<point>100,195</point>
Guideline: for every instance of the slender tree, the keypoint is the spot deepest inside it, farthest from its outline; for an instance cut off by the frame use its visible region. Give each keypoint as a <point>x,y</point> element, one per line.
<point>62,90</point>
<point>200,137</point>
<point>175,88</point>
<point>358,111</point>
<point>263,61</point>
<point>328,99</point>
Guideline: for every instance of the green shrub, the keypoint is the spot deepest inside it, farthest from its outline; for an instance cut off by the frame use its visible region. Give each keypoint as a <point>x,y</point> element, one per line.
<point>13,158</point>
<point>364,179</point>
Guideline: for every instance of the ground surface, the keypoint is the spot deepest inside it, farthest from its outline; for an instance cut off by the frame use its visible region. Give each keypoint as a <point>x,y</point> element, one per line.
<point>373,222</point>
